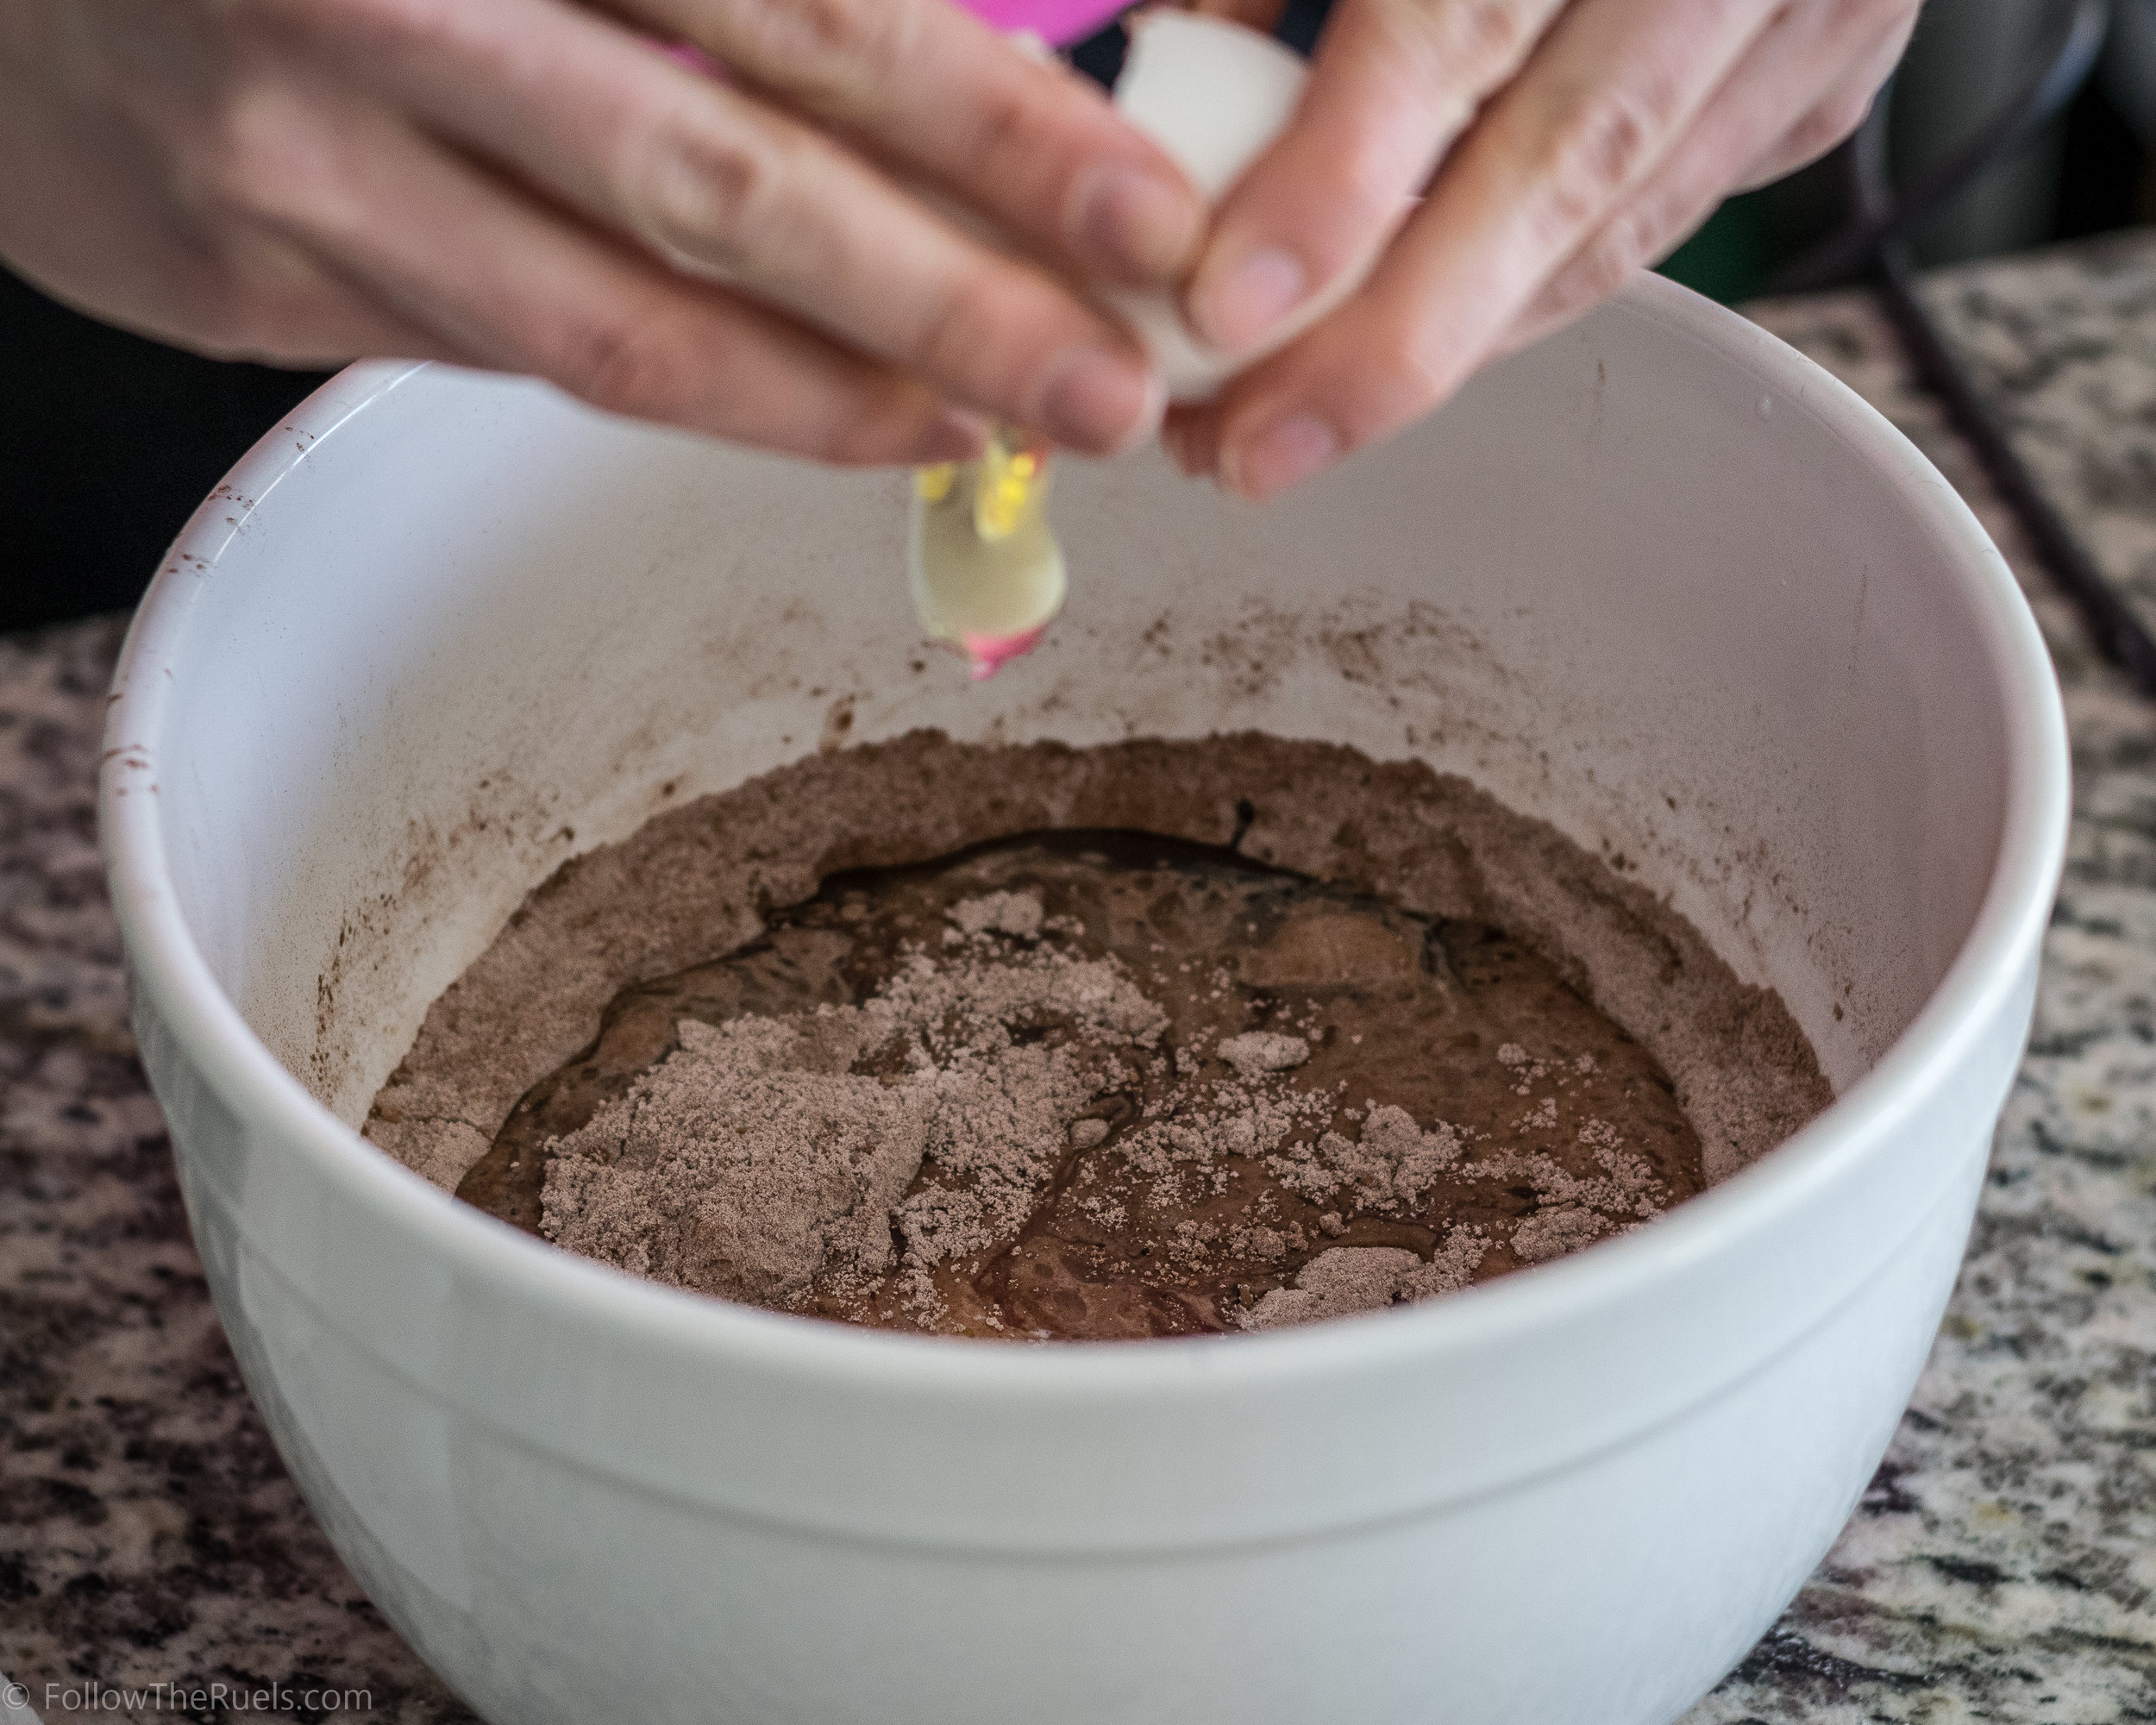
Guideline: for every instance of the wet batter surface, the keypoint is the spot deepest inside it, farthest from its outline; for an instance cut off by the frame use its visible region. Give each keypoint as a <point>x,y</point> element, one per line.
<point>1090,1085</point>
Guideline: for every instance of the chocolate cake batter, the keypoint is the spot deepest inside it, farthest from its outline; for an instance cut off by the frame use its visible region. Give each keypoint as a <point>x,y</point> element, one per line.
<point>1103,1083</point>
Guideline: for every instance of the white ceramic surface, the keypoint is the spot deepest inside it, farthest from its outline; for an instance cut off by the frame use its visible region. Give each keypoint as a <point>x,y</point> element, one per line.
<point>1660,580</point>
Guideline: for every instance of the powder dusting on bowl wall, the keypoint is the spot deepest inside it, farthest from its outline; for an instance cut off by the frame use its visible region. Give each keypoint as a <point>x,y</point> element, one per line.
<point>987,574</point>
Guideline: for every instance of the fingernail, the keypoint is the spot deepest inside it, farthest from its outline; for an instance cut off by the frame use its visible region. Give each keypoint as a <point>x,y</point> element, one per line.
<point>1281,455</point>
<point>1234,309</point>
<point>1133,226</point>
<point>1099,398</point>
<point>957,436</point>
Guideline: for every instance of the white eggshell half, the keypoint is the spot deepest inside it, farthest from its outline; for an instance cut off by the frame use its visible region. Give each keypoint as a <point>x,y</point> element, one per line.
<point>1211,94</point>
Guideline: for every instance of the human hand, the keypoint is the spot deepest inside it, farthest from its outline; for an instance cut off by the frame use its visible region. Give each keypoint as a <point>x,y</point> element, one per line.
<point>1572,142</point>
<point>535,186</point>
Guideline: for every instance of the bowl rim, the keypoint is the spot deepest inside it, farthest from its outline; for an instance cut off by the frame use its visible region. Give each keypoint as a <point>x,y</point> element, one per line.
<point>170,971</point>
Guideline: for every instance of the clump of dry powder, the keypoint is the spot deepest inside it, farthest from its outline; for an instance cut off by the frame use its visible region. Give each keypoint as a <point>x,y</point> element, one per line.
<point>756,1158</point>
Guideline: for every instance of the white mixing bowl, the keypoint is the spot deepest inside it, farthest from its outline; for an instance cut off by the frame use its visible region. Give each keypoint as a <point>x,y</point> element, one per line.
<point>1660,580</point>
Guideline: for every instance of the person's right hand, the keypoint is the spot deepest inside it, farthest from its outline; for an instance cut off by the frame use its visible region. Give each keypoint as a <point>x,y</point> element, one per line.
<point>532,186</point>
<point>1487,170</point>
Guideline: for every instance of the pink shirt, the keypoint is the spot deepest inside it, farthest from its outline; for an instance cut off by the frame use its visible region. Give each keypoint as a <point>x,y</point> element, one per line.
<point>1057,22</point>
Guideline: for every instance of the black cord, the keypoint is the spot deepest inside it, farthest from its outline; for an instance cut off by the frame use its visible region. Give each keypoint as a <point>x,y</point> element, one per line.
<point>2119,633</point>
<point>1100,56</point>
<point>1874,245</point>
<point>1300,23</point>
<point>2068,55</point>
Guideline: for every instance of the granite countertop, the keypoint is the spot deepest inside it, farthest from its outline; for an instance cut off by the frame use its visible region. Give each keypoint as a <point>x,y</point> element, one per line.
<point>2002,1566</point>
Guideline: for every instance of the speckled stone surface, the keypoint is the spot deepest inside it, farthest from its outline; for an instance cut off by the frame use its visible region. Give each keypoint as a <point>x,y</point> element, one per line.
<point>2002,1567</point>
<point>148,1532</point>
<point>2064,348</point>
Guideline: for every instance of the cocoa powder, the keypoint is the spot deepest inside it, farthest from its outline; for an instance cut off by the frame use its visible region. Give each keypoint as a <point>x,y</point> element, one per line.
<point>941,1135</point>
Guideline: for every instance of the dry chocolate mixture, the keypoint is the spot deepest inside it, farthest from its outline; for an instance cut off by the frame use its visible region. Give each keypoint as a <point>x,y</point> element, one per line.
<point>1087,1084</point>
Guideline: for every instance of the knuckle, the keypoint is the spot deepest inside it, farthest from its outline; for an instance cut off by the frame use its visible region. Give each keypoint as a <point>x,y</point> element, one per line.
<point>832,47</point>
<point>1486,39</point>
<point>1005,129</point>
<point>615,363</point>
<point>822,29</point>
<point>1595,150</point>
<point>242,161</point>
<point>1455,51</point>
<point>957,335</point>
<point>706,195</point>
<point>1473,44</point>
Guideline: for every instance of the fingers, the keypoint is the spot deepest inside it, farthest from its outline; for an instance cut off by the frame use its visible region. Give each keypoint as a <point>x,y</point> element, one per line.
<point>1791,99</point>
<point>503,282</point>
<point>289,310</point>
<point>1595,112</point>
<point>231,294</point>
<point>1841,110</point>
<point>723,187</point>
<point>927,86</point>
<point>1393,83</point>
<point>107,209</point>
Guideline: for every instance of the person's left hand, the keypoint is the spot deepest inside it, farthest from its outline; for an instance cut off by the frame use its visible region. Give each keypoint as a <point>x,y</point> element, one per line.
<point>1564,144</point>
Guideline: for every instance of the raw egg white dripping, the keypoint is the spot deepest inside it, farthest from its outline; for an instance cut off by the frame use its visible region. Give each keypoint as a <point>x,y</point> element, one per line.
<point>988,576</point>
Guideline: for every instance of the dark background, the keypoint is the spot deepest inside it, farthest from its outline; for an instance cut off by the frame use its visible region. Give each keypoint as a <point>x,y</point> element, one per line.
<point>109,441</point>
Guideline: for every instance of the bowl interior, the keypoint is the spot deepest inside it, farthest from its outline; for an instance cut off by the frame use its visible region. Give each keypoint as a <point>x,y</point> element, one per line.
<point>1658,581</point>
